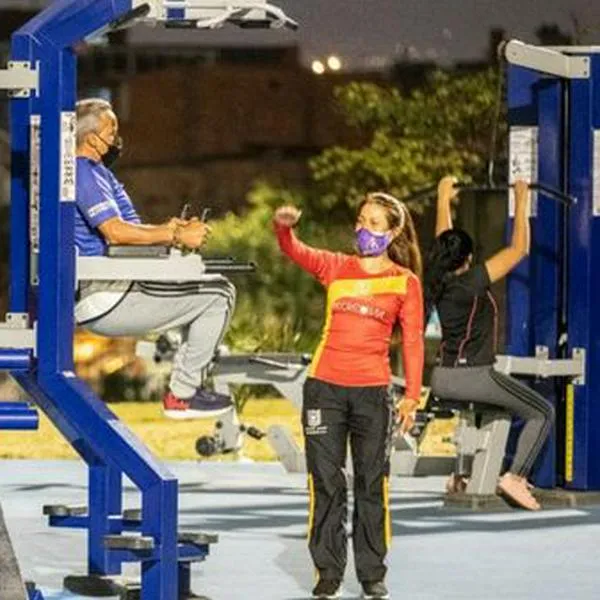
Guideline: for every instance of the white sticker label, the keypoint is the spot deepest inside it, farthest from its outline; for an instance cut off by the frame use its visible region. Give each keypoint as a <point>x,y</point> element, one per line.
<point>34,182</point>
<point>68,131</point>
<point>596,172</point>
<point>523,157</point>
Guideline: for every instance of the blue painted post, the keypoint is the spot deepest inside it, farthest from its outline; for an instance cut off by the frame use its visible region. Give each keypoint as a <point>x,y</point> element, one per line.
<point>161,574</point>
<point>533,288</point>
<point>101,501</point>
<point>582,443</point>
<point>546,256</point>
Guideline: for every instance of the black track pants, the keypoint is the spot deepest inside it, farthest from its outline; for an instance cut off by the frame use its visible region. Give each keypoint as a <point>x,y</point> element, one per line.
<point>331,416</point>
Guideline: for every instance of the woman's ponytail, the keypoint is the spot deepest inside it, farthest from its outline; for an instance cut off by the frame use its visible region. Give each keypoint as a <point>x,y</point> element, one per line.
<point>449,252</point>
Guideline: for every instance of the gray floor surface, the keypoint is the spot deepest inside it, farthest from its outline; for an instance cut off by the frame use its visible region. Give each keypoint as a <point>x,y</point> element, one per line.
<point>260,513</point>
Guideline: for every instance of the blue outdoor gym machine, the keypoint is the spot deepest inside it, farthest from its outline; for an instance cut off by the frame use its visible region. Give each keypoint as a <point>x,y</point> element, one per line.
<point>552,298</point>
<point>36,341</point>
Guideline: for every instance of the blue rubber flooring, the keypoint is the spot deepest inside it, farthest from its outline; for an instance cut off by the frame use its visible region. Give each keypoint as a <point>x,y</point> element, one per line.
<point>260,512</point>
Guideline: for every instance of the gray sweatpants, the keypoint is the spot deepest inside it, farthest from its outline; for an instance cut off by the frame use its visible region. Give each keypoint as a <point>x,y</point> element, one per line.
<point>484,385</point>
<point>200,310</point>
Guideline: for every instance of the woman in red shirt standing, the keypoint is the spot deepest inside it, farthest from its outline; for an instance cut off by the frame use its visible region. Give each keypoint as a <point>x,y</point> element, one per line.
<point>347,395</point>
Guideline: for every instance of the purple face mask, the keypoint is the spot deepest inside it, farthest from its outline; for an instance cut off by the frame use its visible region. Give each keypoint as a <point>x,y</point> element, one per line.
<point>372,244</point>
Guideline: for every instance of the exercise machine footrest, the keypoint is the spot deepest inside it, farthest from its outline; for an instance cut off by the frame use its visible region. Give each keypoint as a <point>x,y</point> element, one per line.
<point>129,542</point>
<point>63,510</point>
<point>99,586</point>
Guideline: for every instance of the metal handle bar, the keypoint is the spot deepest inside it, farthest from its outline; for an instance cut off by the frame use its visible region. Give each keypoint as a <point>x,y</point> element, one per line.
<point>548,191</point>
<point>269,362</point>
<point>212,268</point>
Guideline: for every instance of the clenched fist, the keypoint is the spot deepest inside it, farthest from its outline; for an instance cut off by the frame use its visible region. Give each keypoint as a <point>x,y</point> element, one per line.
<point>287,216</point>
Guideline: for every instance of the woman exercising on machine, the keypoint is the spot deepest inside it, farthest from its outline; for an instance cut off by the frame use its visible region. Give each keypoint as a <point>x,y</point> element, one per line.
<point>347,394</point>
<point>469,318</point>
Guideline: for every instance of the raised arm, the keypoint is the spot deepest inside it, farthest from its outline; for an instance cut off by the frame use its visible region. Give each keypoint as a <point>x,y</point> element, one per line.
<point>508,258</point>
<point>446,193</point>
<point>319,263</point>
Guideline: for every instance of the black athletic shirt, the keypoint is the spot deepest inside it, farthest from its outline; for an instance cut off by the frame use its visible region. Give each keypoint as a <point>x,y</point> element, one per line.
<point>469,318</point>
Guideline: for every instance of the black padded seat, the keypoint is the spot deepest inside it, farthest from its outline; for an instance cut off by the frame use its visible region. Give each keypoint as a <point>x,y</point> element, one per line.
<point>462,405</point>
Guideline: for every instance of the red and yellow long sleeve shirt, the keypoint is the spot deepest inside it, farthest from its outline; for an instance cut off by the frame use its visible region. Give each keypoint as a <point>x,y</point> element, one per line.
<point>362,309</point>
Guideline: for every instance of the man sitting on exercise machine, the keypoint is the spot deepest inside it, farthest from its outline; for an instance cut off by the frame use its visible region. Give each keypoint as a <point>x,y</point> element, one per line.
<point>105,216</point>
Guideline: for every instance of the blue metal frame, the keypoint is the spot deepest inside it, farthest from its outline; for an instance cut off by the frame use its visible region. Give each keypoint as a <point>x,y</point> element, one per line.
<point>533,288</point>
<point>102,441</point>
<point>536,303</point>
<point>584,292</point>
<point>109,449</point>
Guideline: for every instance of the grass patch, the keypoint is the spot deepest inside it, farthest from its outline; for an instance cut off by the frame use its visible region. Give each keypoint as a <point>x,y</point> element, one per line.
<point>176,440</point>
<point>168,439</point>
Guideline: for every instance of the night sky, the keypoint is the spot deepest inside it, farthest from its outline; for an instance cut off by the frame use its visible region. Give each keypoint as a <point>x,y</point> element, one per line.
<point>359,30</point>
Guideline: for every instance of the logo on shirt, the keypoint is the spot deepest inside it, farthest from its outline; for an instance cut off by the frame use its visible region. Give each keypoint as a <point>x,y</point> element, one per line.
<point>95,210</point>
<point>358,308</point>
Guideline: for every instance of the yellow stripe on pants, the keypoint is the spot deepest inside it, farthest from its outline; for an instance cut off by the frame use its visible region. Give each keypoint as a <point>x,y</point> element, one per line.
<point>311,505</point>
<point>387,516</point>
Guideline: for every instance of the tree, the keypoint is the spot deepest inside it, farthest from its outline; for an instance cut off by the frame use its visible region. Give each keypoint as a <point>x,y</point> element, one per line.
<point>444,127</point>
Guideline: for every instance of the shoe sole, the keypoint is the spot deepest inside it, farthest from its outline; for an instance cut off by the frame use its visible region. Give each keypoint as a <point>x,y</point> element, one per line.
<point>371,597</point>
<point>333,596</point>
<point>189,414</point>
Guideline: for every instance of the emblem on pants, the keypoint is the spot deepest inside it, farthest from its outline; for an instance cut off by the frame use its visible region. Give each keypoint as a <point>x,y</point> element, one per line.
<point>313,417</point>
<point>314,422</point>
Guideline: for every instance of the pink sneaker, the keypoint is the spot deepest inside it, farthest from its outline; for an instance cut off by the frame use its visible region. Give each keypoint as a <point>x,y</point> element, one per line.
<point>517,489</point>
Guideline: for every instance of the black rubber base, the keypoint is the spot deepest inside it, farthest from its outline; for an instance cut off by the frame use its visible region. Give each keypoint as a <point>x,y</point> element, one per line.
<point>565,498</point>
<point>97,585</point>
<point>556,498</point>
<point>475,502</point>
<point>125,587</point>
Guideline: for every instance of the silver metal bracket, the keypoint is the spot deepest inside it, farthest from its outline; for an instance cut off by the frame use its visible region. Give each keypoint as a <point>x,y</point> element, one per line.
<point>544,60</point>
<point>15,332</point>
<point>212,14</point>
<point>542,366</point>
<point>174,268</point>
<point>19,79</point>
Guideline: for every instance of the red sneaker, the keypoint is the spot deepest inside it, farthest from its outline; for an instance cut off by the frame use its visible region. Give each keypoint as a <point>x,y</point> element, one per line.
<point>204,404</point>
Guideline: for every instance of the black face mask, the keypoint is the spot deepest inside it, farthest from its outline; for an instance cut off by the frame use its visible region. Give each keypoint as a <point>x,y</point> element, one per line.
<point>113,153</point>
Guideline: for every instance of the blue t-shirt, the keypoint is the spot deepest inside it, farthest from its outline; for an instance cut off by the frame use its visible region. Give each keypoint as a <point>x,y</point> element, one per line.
<point>99,197</point>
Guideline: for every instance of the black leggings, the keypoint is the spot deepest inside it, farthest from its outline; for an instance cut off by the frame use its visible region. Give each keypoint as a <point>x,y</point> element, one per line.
<point>484,385</point>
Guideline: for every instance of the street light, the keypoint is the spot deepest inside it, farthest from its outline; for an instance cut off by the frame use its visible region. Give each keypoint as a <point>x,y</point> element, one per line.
<point>318,67</point>
<point>334,63</point>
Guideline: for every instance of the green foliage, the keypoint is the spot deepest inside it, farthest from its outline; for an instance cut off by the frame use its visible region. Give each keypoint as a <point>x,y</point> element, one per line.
<point>413,140</point>
<point>279,307</point>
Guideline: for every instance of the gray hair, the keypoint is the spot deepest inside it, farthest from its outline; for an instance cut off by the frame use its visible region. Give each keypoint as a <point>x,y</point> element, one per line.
<point>88,113</point>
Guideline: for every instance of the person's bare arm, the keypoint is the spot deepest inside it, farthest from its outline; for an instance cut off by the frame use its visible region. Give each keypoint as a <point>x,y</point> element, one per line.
<point>446,193</point>
<point>116,231</point>
<point>191,234</point>
<point>508,258</point>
